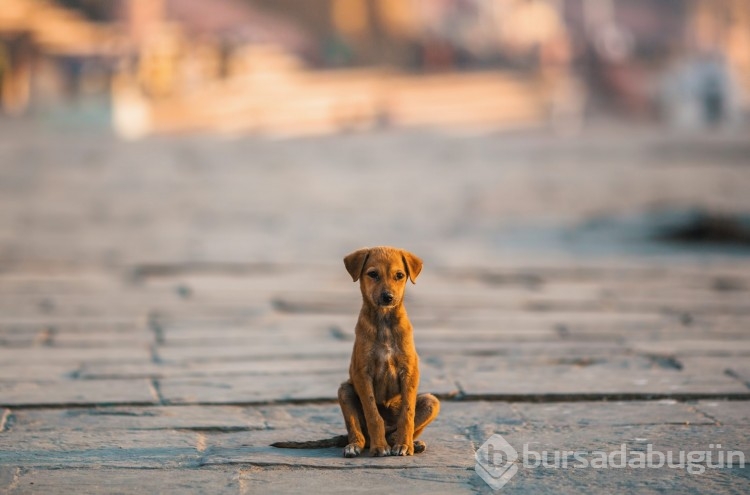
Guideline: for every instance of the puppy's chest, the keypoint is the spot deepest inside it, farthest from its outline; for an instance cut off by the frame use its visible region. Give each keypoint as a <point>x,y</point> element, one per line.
<point>385,372</point>
<point>385,359</point>
<point>386,355</point>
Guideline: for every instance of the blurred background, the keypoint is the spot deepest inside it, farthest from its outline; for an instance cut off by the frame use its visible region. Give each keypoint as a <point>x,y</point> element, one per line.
<point>319,66</point>
<point>490,128</point>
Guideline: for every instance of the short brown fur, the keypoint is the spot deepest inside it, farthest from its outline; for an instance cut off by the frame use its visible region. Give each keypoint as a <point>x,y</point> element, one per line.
<point>379,402</point>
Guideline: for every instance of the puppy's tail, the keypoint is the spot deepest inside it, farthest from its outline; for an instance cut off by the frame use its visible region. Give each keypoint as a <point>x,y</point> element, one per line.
<point>337,441</point>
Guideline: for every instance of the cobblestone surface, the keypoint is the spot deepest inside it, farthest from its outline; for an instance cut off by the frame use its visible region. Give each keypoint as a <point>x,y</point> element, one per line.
<point>171,307</point>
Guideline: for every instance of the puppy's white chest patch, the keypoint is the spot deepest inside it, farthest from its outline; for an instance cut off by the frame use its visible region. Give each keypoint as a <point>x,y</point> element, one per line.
<point>386,360</point>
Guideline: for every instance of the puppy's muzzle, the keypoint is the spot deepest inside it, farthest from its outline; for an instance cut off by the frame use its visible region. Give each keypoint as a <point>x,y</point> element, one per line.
<point>386,298</point>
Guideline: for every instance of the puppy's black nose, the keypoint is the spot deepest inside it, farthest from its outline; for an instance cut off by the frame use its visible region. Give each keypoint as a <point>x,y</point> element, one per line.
<point>386,298</point>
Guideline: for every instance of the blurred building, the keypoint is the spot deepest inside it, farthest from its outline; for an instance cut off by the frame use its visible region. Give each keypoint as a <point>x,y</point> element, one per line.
<point>326,65</point>
<point>49,49</point>
<point>719,41</point>
<point>252,66</point>
<point>648,57</point>
<point>43,48</point>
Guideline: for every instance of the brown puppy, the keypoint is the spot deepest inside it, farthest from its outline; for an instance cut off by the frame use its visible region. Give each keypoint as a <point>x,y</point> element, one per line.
<point>379,401</point>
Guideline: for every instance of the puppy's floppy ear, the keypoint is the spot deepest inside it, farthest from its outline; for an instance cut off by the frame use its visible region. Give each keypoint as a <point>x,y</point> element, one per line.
<point>355,262</point>
<point>413,265</point>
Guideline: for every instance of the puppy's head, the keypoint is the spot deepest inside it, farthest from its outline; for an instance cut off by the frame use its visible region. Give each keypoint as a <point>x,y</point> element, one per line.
<point>382,273</point>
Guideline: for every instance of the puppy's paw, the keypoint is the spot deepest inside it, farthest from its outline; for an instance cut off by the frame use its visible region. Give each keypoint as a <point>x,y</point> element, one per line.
<point>380,451</point>
<point>419,446</point>
<point>352,450</point>
<point>402,449</point>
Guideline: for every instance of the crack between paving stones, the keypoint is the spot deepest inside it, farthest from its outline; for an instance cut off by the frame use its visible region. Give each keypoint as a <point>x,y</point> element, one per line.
<point>155,358</point>
<point>472,482</point>
<point>6,420</point>
<point>83,405</point>
<point>155,325</point>
<point>338,334</point>
<point>347,467</point>
<point>733,374</point>
<point>76,373</point>
<point>143,271</point>
<point>703,413</point>
<point>201,443</point>
<point>258,357</point>
<point>457,396</point>
<point>156,391</point>
<point>242,482</point>
<point>665,362</point>
<point>211,429</point>
<point>538,398</point>
<point>16,480</point>
<point>595,397</point>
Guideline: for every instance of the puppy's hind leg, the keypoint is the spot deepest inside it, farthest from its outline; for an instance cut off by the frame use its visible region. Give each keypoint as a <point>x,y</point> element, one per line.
<point>354,417</point>
<point>427,409</point>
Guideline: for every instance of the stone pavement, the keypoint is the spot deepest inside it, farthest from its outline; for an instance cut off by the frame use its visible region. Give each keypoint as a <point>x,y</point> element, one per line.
<point>171,307</point>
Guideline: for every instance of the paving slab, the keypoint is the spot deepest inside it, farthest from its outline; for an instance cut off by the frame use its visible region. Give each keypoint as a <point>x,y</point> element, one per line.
<point>433,335</point>
<point>725,412</point>
<point>41,372</point>
<point>596,380</point>
<point>612,413</point>
<point>257,333</point>
<point>696,347</point>
<point>714,364</point>
<point>77,393</point>
<point>195,418</point>
<point>38,322</point>
<point>555,348</point>
<point>262,350</point>
<point>7,477</point>
<point>45,355</point>
<point>290,479</point>
<point>100,448</point>
<point>252,389</point>
<point>140,338</point>
<point>648,481</point>
<point>500,319</point>
<point>544,441</point>
<point>107,481</point>
<point>198,369</point>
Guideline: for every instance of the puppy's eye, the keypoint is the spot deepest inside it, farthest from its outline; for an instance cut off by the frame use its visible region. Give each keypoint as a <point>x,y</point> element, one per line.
<point>400,275</point>
<point>373,275</point>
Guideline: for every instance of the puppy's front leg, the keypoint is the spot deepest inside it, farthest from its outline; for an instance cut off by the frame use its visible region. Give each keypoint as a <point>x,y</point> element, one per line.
<point>351,408</point>
<point>375,426</point>
<point>404,438</point>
